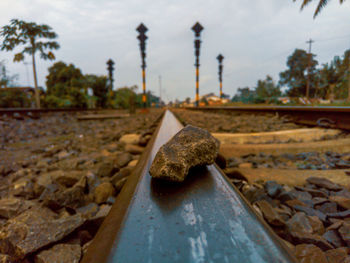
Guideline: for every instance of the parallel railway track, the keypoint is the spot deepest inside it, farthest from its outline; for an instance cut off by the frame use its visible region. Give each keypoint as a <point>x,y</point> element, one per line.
<point>205,219</point>
<point>324,116</point>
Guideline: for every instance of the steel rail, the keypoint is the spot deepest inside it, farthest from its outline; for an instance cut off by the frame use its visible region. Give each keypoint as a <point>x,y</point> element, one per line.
<point>25,110</point>
<point>326,116</point>
<point>205,219</point>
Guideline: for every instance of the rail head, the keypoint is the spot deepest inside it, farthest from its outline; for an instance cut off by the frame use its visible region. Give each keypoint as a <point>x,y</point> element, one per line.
<point>205,219</point>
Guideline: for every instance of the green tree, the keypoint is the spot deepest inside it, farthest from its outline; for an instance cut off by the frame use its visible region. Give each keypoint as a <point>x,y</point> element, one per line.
<point>101,91</point>
<point>330,77</point>
<point>245,95</point>
<point>31,35</point>
<point>320,6</point>
<point>125,95</point>
<point>13,98</point>
<point>66,86</point>
<point>267,89</point>
<point>295,77</point>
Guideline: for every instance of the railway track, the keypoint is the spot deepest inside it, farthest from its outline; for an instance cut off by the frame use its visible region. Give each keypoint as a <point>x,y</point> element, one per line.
<point>27,110</point>
<point>205,219</point>
<point>324,116</point>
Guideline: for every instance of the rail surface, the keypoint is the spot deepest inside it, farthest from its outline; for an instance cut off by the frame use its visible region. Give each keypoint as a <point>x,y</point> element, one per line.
<point>204,219</point>
<point>324,116</point>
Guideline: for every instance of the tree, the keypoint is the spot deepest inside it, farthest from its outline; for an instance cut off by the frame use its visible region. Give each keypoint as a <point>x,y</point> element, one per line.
<point>99,86</point>
<point>295,77</point>
<point>125,96</point>
<point>330,76</point>
<point>13,98</point>
<point>320,6</point>
<point>66,86</point>
<point>267,88</point>
<point>245,95</point>
<point>30,34</point>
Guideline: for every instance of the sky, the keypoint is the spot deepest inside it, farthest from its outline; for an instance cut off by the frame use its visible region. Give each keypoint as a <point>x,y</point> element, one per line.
<point>255,37</point>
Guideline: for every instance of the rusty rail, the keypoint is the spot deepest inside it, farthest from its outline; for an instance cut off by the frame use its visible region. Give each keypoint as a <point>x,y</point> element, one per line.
<point>205,219</point>
<point>324,116</point>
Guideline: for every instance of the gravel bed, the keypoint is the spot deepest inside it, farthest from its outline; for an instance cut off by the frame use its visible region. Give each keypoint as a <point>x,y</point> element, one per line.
<point>313,221</point>
<point>235,123</point>
<point>58,180</point>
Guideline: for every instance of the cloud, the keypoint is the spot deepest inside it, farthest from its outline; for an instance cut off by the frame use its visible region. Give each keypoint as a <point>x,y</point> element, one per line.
<point>254,36</point>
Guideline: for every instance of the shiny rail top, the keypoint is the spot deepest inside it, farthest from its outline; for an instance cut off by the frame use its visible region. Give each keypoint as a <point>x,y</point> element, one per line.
<point>202,220</point>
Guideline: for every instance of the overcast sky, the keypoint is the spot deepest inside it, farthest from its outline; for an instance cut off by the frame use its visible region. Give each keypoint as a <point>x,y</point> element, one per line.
<point>255,37</point>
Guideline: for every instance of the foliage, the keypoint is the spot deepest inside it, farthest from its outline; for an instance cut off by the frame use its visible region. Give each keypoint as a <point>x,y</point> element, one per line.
<point>295,77</point>
<point>330,81</point>
<point>13,98</point>
<point>100,89</point>
<point>20,32</point>
<point>245,95</point>
<point>31,35</point>
<point>267,88</point>
<point>265,91</point>
<point>125,96</point>
<point>65,86</point>
<point>321,4</point>
<point>334,77</point>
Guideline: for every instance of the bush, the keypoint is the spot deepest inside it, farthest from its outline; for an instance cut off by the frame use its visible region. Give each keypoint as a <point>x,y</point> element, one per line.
<point>14,99</point>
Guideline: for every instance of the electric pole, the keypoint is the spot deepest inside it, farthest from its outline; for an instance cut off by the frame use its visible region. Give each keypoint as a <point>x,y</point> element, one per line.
<point>308,69</point>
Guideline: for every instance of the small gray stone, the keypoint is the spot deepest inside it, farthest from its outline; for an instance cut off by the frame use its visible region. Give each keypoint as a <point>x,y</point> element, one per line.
<point>134,149</point>
<point>323,182</point>
<point>34,229</point>
<point>11,207</point>
<point>60,253</point>
<point>272,188</point>
<point>103,191</point>
<point>344,232</point>
<point>333,238</point>
<point>192,146</point>
<point>122,159</point>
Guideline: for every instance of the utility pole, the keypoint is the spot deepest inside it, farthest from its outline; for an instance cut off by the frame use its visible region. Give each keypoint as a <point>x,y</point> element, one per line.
<point>308,69</point>
<point>160,91</point>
